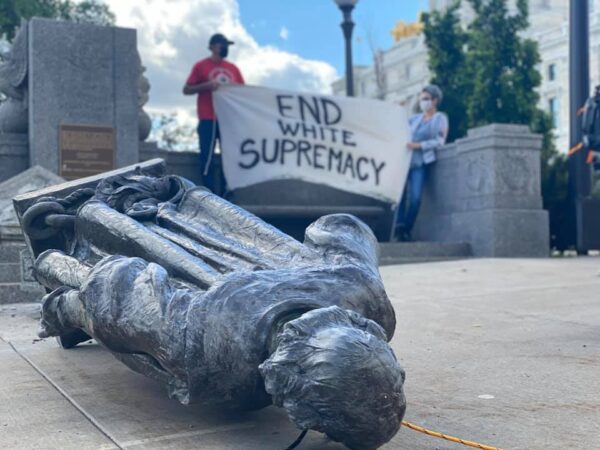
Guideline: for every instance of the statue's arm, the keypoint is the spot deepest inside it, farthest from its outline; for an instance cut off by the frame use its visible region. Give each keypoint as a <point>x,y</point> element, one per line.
<point>344,239</point>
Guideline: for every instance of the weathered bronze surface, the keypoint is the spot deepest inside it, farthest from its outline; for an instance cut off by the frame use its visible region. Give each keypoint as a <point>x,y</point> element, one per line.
<point>191,290</point>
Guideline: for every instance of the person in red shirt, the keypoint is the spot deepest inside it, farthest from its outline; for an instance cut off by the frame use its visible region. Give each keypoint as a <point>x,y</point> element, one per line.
<point>206,76</point>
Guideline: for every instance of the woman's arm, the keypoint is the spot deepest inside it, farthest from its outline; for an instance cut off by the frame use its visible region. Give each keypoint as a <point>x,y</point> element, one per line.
<point>441,133</point>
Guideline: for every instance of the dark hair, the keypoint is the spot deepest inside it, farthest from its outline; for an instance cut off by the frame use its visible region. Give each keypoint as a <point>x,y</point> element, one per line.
<point>434,91</point>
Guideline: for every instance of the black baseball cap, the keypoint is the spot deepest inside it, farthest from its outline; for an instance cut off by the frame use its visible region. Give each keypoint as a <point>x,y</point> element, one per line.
<point>218,38</point>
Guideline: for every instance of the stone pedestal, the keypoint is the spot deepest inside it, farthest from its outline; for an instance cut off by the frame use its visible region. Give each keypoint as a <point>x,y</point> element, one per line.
<point>16,277</point>
<point>486,190</point>
<point>81,74</point>
<point>14,154</point>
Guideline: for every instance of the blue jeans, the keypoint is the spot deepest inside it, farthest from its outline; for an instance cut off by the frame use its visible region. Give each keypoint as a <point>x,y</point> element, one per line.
<point>411,199</point>
<point>208,133</point>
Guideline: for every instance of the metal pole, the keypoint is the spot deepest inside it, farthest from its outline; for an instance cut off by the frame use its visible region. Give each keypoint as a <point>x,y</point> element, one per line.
<point>580,174</point>
<point>347,27</point>
<point>579,61</point>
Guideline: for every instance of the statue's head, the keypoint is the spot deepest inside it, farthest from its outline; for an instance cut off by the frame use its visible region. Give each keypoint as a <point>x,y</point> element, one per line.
<point>334,372</point>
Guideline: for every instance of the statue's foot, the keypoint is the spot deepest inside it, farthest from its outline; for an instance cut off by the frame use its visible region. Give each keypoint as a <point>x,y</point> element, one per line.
<point>60,309</point>
<point>54,323</point>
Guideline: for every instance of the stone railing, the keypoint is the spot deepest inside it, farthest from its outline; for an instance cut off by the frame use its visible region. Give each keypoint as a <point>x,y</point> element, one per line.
<point>485,190</point>
<point>185,164</point>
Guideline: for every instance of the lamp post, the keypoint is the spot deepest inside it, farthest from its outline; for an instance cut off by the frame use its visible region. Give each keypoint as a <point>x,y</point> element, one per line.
<point>586,214</point>
<point>346,6</point>
<point>580,173</point>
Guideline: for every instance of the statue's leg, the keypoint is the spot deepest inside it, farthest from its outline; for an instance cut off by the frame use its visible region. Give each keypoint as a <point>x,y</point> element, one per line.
<point>118,234</point>
<point>127,304</point>
<point>64,316</point>
<point>218,224</point>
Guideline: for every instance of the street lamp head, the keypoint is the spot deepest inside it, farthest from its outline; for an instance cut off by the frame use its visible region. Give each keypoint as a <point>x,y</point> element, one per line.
<point>346,3</point>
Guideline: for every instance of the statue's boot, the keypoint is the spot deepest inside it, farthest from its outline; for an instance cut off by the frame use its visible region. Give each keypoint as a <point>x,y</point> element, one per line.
<point>62,313</point>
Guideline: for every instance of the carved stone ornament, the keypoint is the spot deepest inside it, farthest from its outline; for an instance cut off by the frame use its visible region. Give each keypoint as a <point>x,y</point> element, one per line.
<point>222,308</point>
<point>13,76</point>
<point>145,122</point>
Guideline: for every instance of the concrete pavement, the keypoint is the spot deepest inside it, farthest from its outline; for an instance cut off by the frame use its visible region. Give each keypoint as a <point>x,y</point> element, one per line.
<point>504,352</point>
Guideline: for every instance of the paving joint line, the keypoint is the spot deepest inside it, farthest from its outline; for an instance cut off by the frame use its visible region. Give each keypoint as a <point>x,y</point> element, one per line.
<point>67,397</point>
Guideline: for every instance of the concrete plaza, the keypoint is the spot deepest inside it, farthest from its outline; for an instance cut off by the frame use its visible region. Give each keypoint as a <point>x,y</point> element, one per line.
<point>505,352</point>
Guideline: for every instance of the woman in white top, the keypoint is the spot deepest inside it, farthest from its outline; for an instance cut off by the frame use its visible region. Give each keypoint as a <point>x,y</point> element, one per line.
<point>429,130</point>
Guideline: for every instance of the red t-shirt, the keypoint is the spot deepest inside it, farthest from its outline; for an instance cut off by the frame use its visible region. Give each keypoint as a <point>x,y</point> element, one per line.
<point>206,70</point>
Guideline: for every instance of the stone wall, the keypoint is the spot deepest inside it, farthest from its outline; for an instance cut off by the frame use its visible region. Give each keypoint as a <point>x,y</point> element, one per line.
<point>14,155</point>
<point>185,164</point>
<point>486,190</point>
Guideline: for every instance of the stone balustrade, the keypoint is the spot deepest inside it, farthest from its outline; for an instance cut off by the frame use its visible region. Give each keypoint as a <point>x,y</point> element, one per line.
<point>485,189</point>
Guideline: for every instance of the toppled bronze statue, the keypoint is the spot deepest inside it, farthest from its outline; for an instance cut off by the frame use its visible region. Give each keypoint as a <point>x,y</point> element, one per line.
<point>184,287</point>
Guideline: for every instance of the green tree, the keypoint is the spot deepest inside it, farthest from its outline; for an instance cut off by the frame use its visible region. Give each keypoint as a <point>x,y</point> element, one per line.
<point>171,134</point>
<point>488,71</point>
<point>502,65</point>
<point>12,11</point>
<point>88,11</point>
<point>446,41</point>
<point>555,182</point>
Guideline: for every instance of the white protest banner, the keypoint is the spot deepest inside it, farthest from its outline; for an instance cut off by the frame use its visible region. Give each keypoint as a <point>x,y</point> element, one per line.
<point>357,145</point>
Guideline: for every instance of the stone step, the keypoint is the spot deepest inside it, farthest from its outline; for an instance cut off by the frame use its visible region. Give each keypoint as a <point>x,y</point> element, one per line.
<point>10,273</point>
<point>413,252</point>
<point>20,293</point>
<point>10,252</point>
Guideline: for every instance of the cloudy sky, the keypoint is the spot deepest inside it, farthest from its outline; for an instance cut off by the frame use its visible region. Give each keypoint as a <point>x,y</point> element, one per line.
<point>291,44</point>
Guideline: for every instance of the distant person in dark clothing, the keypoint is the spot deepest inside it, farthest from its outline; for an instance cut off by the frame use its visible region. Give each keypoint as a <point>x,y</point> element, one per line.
<point>206,76</point>
<point>429,130</point>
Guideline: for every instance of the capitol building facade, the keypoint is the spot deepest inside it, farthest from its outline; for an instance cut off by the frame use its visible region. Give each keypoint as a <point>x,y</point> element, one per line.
<point>403,68</point>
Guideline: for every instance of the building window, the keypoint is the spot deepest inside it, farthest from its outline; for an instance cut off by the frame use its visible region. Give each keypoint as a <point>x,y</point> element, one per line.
<point>552,72</point>
<point>553,107</point>
<point>407,70</point>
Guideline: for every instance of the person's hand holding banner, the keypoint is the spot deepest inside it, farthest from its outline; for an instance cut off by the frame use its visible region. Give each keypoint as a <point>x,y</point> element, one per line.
<point>357,145</point>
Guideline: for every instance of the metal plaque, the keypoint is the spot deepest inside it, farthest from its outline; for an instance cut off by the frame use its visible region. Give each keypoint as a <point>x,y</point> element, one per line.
<point>85,150</point>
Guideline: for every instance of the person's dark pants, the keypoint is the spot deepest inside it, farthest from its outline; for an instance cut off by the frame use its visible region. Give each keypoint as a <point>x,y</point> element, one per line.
<point>411,199</point>
<point>208,133</point>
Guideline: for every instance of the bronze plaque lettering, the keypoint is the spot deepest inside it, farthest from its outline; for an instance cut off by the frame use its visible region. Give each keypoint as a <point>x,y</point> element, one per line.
<point>86,150</point>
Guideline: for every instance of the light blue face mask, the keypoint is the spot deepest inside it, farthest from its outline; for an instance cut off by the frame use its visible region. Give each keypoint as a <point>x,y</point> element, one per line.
<point>426,105</point>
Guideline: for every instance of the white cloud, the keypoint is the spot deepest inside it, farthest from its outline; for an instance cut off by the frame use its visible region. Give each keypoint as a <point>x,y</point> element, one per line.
<point>284,33</point>
<point>173,35</point>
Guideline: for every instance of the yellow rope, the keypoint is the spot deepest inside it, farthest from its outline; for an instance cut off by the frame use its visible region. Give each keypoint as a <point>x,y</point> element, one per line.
<point>448,438</point>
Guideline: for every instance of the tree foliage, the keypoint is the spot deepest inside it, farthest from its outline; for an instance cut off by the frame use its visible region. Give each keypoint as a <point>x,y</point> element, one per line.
<point>487,71</point>
<point>170,134</point>
<point>446,41</point>
<point>502,65</point>
<point>555,183</point>
<point>90,11</point>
